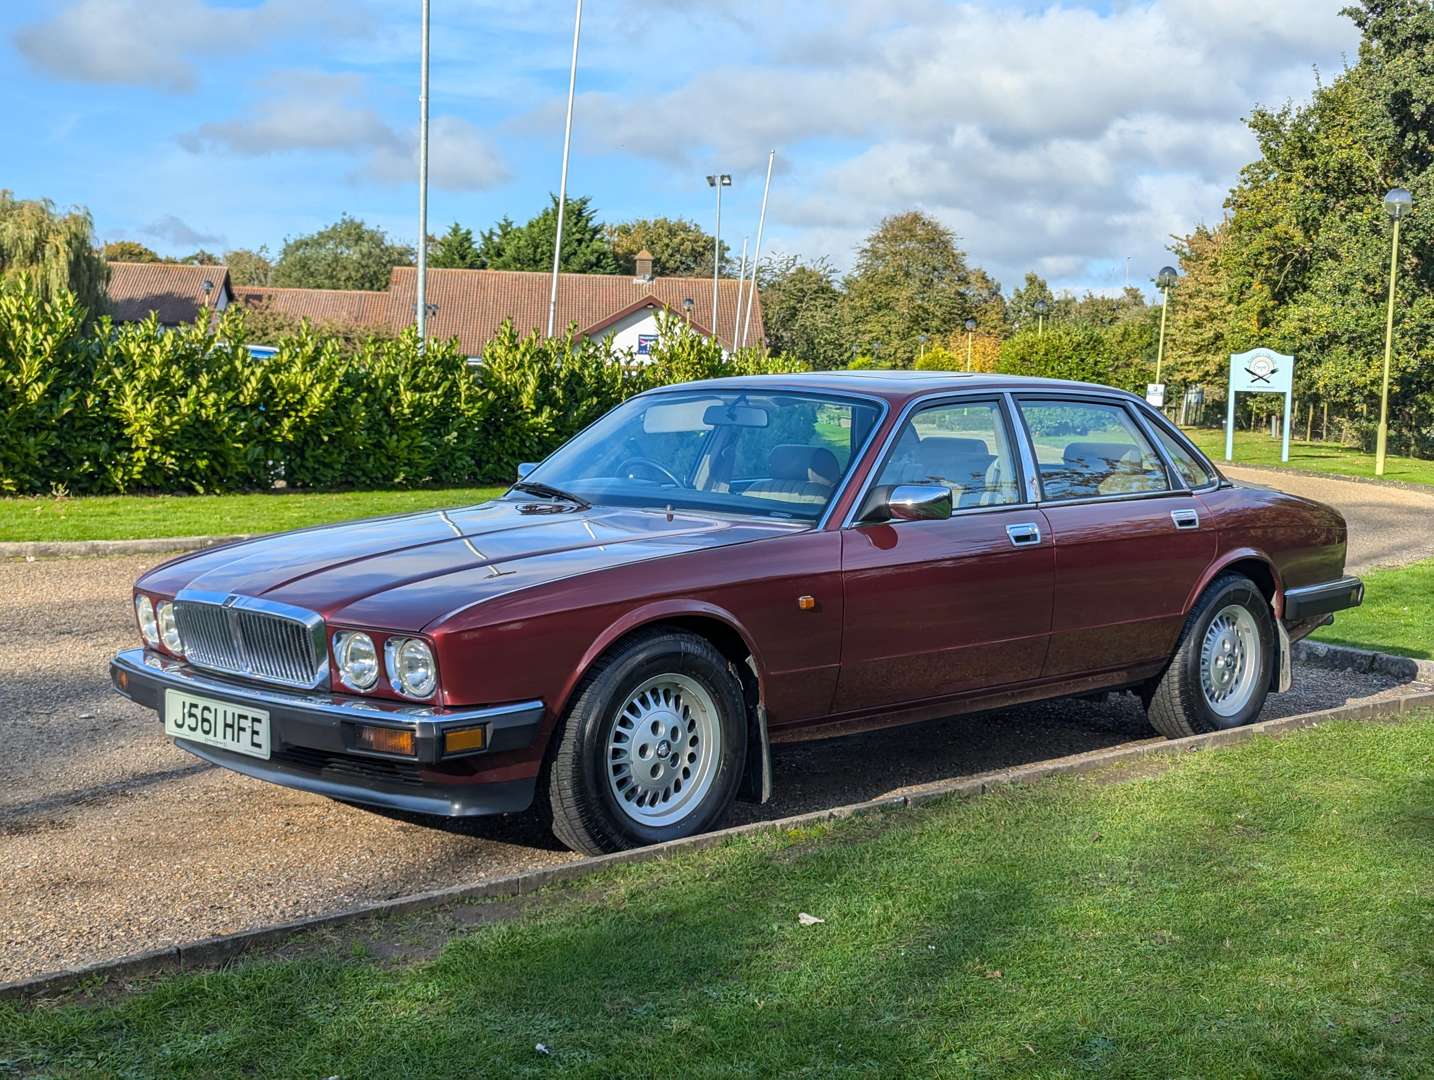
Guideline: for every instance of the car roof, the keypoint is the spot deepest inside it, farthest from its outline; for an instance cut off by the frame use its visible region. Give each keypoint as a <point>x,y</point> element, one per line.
<point>894,385</point>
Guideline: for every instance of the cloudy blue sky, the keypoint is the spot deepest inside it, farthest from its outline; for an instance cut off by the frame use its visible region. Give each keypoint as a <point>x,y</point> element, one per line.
<point>1061,137</point>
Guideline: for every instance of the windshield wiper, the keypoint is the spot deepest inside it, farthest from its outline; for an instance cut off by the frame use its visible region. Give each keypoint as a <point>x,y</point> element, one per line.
<point>547,491</point>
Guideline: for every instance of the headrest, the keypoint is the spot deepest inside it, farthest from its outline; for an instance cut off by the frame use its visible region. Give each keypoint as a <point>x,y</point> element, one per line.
<point>1099,455</point>
<point>804,464</point>
<point>957,460</point>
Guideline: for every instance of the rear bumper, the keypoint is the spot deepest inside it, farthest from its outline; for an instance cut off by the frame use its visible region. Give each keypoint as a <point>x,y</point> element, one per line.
<point>1312,601</point>
<point>312,744</point>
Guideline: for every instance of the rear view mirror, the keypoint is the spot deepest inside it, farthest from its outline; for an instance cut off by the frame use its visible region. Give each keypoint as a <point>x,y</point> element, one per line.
<point>919,502</point>
<point>735,416</point>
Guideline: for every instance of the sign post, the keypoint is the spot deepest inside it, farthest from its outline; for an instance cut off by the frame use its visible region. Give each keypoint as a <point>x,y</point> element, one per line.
<point>1260,371</point>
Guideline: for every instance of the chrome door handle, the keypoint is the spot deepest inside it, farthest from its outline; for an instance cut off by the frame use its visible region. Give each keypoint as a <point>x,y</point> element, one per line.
<point>1185,519</point>
<point>1026,534</point>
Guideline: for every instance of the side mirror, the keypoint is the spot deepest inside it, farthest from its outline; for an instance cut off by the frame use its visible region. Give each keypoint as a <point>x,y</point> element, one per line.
<point>919,502</point>
<point>524,468</point>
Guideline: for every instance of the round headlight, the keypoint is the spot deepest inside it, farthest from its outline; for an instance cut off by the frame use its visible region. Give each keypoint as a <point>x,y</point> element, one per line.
<point>358,659</point>
<point>144,611</point>
<point>410,662</point>
<point>169,629</point>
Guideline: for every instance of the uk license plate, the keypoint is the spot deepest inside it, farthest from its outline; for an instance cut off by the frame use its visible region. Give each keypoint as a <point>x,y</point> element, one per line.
<point>239,728</point>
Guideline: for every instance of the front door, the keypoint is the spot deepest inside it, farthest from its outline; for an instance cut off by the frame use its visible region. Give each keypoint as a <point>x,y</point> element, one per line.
<point>1130,544</point>
<point>935,609</point>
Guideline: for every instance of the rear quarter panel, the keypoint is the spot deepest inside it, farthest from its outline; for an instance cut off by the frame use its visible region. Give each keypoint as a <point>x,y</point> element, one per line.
<point>1303,540</point>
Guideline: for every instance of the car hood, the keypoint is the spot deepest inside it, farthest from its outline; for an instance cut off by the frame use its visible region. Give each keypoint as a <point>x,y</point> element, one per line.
<point>409,572</point>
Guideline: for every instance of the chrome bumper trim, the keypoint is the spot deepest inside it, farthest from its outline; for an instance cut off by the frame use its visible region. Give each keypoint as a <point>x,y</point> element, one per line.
<point>1311,601</point>
<point>318,720</point>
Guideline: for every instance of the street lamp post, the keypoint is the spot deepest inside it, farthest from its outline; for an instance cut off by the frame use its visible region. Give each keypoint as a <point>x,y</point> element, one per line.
<point>1397,203</point>
<point>421,284</point>
<point>1041,307</point>
<point>1166,280</point>
<point>921,340</point>
<point>718,181</point>
<point>970,329</point>
<point>563,183</point>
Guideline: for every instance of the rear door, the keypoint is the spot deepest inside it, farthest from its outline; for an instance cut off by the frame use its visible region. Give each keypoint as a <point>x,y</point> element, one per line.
<point>934,609</point>
<point>1130,542</point>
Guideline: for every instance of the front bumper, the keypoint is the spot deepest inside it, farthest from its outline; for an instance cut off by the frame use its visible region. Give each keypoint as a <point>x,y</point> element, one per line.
<point>1313,601</point>
<point>312,745</point>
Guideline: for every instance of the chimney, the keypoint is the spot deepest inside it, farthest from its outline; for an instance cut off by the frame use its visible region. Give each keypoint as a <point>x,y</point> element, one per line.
<point>644,266</point>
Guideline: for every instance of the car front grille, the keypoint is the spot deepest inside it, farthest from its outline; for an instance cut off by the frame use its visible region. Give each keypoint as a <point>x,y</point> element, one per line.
<point>242,636</point>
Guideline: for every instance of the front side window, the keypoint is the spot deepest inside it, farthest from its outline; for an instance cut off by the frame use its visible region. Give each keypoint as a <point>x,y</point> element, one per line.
<point>963,446</point>
<point>767,453</point>
<point>1090,449</point>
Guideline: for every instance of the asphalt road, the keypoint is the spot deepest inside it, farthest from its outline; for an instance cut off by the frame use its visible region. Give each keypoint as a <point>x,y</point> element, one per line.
<point>112,841</point>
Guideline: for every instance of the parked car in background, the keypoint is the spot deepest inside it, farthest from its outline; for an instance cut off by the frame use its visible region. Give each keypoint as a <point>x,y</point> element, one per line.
<point>716,567</point>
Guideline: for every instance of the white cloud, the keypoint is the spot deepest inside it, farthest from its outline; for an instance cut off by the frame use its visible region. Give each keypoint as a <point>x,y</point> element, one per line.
<point>1060,136</point>
<point>153,42</point>
<point>317,112</point>
<point>176,231</point>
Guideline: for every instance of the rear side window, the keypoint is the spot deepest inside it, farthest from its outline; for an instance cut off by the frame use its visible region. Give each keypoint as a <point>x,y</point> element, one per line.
<point>1088,449</point>
<point>1191,469</point>
<point>963,446</point>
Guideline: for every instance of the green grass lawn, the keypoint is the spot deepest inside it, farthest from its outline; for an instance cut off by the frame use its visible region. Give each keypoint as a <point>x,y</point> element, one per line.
<point>1258,448</point>
<point>1261,911</point>
<point>1397,615</point>
<point>127,517</point>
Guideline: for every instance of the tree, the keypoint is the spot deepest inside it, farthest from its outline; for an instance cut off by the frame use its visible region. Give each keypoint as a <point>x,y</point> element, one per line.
<point>1021,308</point>
<point>910,279</point>
<point>679,248</point>
<point>530,247</point>
<point>248,267</point>
<point>455,250</point>
<point>55,251</point>
<point>803,311</point>
<point>346,255</point>
<point>200,258</point>
<point>1302,263</point>
<point>129,251</point>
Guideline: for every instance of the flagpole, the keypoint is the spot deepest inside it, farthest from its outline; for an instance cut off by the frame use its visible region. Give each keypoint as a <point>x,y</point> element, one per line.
<point>757,253</point>
<point>421,307</point>
<point>563,186</point>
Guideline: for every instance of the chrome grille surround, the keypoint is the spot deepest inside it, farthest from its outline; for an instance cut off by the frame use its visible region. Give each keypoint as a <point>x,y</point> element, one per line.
<point>254,638</point>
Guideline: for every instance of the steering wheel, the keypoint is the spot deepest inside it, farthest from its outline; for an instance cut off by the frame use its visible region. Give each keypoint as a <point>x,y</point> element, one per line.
<point>647,463</point>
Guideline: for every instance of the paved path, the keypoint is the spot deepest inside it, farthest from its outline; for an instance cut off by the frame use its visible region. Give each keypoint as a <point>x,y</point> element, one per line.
<point>1388,526</point>
<point>113,841</point>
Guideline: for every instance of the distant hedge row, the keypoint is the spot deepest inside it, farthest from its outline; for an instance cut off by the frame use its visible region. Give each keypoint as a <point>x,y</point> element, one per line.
<point>128,408</point>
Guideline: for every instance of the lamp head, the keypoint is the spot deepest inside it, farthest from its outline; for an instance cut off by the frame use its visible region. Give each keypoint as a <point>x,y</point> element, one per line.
<point>1398,203</point>
<point>1167,277</point>
<point>1041,307</point>
<point>970,326</point>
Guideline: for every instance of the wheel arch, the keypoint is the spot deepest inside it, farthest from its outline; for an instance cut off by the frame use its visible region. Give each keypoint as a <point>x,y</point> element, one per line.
<point>716,624</point>
<point>1255,565</point>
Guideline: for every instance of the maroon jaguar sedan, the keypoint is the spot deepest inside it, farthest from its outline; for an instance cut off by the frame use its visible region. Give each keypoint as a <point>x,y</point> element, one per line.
<point>715,567</point>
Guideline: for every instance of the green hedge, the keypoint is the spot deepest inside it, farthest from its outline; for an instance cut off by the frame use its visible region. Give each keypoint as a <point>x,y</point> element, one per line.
<point>115,409</point>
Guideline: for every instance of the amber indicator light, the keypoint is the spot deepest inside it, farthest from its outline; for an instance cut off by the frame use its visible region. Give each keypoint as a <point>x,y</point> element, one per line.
<point>460,742</point>
<point>384,740</point>
<point>807,603</point>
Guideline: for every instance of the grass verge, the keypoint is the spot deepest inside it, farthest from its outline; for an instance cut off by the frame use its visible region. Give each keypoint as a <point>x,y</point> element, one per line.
<point>137,517</point>
<point>1258,448</point>
<point>1397,615</point>
<point>1260,911</point>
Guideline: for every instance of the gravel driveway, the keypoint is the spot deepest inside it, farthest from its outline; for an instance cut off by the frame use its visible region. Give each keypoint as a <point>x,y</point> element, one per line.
<point>112,841</point>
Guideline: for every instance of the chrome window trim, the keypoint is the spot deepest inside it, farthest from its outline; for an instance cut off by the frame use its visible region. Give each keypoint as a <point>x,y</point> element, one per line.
<point>926,400</point>
<point>1117,399</point>
<point>312,621</point>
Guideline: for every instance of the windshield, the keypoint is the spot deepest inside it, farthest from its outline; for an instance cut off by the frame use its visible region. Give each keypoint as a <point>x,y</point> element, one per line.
<point>765,453</point>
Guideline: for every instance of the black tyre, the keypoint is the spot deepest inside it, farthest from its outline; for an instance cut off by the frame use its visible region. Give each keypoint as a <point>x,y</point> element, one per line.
<point>1220,673</point>
<point>652,747</point>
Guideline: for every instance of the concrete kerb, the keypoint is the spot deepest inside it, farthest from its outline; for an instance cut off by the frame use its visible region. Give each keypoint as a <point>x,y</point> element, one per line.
<point>69,549</point>
<point>215,951</point>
